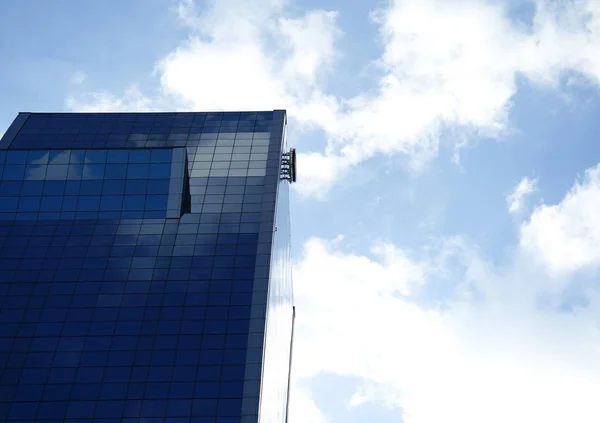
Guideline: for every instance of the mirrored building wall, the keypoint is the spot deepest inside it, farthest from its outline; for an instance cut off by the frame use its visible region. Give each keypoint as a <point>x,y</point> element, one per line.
<point>145,268</point>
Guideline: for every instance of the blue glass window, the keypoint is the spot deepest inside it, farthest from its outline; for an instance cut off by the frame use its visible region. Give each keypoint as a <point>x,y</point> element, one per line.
<point>58,157</point>
<point>160,186</point>
<point>72,187</point>
<point>117,312</point>
<point>75,172</point>
<point>38,157</point>
<point>160,171</point>
<point>116,171</point>
<point>29,204</point>
<point>140,156</point>
<point>94,171</point>
<point>57,172</point>
<point>51,204</point>
<point>113,187</point>
<point>13,172</point>
<point>91,187</point>
<point>111,202</point>
<point>117,156</point>
<point>161,156</point>
<point>86,203</point>
<point>156,202</point>
<point>138,171</point>
<point>9,204</point>
<point>95,156</point>
<point>16,157</point>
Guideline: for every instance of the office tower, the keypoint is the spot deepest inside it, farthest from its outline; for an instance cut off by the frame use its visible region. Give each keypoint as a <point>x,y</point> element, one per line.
<point>145,271</point>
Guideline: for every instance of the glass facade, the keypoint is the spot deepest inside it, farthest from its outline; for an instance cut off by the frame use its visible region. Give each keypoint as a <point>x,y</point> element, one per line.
<point>145,268</point>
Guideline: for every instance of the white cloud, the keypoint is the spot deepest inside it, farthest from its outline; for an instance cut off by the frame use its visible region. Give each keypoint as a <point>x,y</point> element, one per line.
<point>317,171</point>
<point>132,100</point>
<point>247,55</point>
<point>490,358</point>
<point>447,336</point>
<point>430,78</point>
<point>303,409</point>
<point>565,237</point>
<point>460,72</point>
<point>516,199</point>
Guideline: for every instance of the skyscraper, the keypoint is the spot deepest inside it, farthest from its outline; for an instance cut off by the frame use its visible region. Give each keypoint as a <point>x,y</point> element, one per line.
<point>145,270</point>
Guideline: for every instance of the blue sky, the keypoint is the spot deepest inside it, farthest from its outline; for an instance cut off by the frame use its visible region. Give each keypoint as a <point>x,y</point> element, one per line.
<point>446,227</point>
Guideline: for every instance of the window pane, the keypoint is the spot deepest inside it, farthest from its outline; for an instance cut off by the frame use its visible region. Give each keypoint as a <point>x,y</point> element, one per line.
<point>57,172</point>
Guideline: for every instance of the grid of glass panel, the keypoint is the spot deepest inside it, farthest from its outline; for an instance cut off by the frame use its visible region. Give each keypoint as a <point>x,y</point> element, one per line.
<point>130,318</point>
<point>88,184</point>
<point>136,130</point>
<point>112,316</point>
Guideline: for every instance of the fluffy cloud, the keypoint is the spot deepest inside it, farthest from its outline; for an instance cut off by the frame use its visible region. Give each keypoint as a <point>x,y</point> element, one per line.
<point>132,100</point>
<point>247,55</point>
<point>493,357</point>
<point>303,409</point>
<point>455,73</point>
<point>446,335</point>
<point>565,237</point>
<point>460,72</point>
<point>516,198</point>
